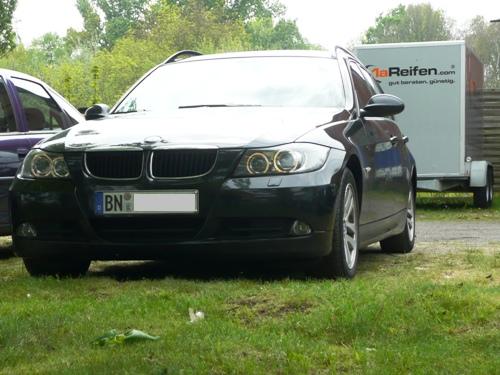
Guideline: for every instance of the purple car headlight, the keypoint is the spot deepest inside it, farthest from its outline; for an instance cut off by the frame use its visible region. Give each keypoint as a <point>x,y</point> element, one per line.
<point>41,164</point>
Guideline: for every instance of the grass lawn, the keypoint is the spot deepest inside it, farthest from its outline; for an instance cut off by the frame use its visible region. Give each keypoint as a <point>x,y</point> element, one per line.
<point>454,206</point>
<point>423,313</point>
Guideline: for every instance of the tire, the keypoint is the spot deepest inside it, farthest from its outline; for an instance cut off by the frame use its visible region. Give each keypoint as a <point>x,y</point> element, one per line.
<point>483,196</point>
<point>59,268</point>
<point>343,258</point>
<point>405,241</point>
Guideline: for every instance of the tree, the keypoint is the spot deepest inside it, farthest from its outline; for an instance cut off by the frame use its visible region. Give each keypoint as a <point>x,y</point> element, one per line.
<point>118,18</point>
<point>102,61</point>
<point>412,23</point>
<point>92,35</point>
<point>7,35</point>
<point>243,10</point>
<point>484,39</point>
<point>264,34</point>
<point>52,46</point>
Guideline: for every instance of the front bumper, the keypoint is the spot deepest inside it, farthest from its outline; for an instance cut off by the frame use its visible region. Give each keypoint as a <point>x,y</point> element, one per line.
<point>239,217</point>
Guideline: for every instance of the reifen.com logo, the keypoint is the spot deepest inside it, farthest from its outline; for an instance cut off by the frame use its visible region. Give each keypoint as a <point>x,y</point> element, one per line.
<point>412,71</point>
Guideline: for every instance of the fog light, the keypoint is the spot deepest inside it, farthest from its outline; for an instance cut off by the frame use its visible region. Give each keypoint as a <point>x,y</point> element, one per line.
<point>299,228</point>
<point>26,230</point>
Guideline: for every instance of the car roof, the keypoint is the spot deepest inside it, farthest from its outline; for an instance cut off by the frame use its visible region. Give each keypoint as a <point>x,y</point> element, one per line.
<point>246,54</point>
<point>14,73</point>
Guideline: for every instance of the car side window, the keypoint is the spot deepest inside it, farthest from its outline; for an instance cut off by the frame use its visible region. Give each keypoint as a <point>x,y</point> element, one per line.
<point>42,112</point>
<point>364,91</point>
<point>7,119</point>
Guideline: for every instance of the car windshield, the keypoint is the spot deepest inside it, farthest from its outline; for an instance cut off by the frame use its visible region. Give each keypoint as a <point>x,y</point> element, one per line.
<point>251,81</point>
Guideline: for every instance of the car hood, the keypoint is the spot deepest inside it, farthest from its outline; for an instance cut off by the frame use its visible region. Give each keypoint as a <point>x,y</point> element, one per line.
<point>220,127</point>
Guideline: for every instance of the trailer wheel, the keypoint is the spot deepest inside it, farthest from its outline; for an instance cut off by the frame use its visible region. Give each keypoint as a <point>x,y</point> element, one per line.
<point>483,196</point>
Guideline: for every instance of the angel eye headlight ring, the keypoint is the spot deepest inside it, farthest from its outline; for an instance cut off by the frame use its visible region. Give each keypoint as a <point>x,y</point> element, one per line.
<point>258,163</point>
<point>287,161</point>
<point>41,165</point>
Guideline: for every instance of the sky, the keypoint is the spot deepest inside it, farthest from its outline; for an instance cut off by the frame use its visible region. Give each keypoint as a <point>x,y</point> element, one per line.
<point>324,22</point>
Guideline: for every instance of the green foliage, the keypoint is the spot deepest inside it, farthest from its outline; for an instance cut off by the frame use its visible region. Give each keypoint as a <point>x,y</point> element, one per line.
<point>53,48</point>
<point>265,35</point>
<point>484,38</point>
<point>123,39</point>
<point>92,35</point>
<point>120,16</point>
<point>7,35</point>
<point>386,27</point>
<point>243,10</point>
<point>412,23</point>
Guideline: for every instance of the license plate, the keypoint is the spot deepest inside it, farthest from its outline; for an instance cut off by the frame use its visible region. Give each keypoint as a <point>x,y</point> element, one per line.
<point>137,202</point>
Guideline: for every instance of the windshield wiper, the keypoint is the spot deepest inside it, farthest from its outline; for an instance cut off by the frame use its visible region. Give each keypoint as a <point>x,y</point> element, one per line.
<point>217,105</point>
<point>124,112</point>
<point>130,111</point>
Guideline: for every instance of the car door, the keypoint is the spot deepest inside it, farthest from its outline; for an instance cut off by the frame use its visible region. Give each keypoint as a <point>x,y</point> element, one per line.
<point>382,159</point>
<point>13,147</point>
<point>392,154</point>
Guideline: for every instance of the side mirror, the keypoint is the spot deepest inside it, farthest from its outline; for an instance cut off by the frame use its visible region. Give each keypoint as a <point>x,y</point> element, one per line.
<point>96,112</point>
<point>382,105</point>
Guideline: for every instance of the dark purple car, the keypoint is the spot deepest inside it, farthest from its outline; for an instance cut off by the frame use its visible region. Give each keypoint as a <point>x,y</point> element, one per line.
<point>29,111</point>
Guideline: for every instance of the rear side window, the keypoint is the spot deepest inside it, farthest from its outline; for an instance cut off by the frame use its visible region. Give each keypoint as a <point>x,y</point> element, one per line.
<point>371,81</point>
<point>7,119</point>
<point>364,90</point>
<point>42,112</point>
<point>72,115</point>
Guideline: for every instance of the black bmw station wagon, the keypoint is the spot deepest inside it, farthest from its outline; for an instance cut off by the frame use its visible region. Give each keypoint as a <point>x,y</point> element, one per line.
<point>278,155</point>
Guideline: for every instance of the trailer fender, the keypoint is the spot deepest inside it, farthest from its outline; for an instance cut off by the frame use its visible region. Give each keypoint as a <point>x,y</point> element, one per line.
<point>479,173</point>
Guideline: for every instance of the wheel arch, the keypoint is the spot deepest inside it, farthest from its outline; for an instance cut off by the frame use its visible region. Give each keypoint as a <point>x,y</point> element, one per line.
<point>354,166</point>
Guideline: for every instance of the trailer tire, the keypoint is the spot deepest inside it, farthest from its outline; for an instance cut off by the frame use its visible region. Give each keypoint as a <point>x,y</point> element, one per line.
<point>483,196</point>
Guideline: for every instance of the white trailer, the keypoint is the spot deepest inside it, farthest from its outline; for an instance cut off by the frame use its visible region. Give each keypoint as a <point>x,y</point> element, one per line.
<point>438,82</point>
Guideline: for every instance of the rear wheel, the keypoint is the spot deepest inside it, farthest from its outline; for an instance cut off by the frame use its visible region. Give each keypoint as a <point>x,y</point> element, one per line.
<point>483,196</point>
<point>48,267</point>
<point>405,241</point>
<point>343,258</point>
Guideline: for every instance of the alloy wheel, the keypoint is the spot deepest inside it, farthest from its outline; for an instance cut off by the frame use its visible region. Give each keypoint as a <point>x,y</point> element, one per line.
<point>350,227</point>
<point>410,216</point>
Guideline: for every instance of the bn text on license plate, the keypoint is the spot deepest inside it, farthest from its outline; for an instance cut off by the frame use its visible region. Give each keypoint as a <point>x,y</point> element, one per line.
<point>137,202</point>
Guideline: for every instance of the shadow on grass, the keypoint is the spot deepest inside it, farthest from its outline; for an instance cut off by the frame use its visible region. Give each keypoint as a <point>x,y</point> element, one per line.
<point>217,270</point>
<point>450,201</point>
<point>438,201</point>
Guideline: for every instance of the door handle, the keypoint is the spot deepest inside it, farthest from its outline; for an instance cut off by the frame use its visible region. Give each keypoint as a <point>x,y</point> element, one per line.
<point>394,140</point>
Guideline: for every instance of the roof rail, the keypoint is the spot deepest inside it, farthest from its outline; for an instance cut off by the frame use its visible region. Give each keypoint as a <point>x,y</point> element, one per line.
<point>187,53</point>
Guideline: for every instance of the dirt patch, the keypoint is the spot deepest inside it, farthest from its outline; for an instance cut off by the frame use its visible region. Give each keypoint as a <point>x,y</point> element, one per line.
<point>258,307</point>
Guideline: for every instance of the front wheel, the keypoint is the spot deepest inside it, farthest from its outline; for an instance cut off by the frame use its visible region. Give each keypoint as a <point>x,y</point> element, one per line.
<point>405,241</point>
<point>59,268</point>
<point>343,258</point>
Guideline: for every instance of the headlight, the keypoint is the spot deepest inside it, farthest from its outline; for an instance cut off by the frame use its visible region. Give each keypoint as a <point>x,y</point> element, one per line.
<point>41,164</point>
<point>286,159</point>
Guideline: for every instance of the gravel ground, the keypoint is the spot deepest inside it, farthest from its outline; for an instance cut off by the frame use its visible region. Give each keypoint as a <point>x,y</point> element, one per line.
<point>469,232</point>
